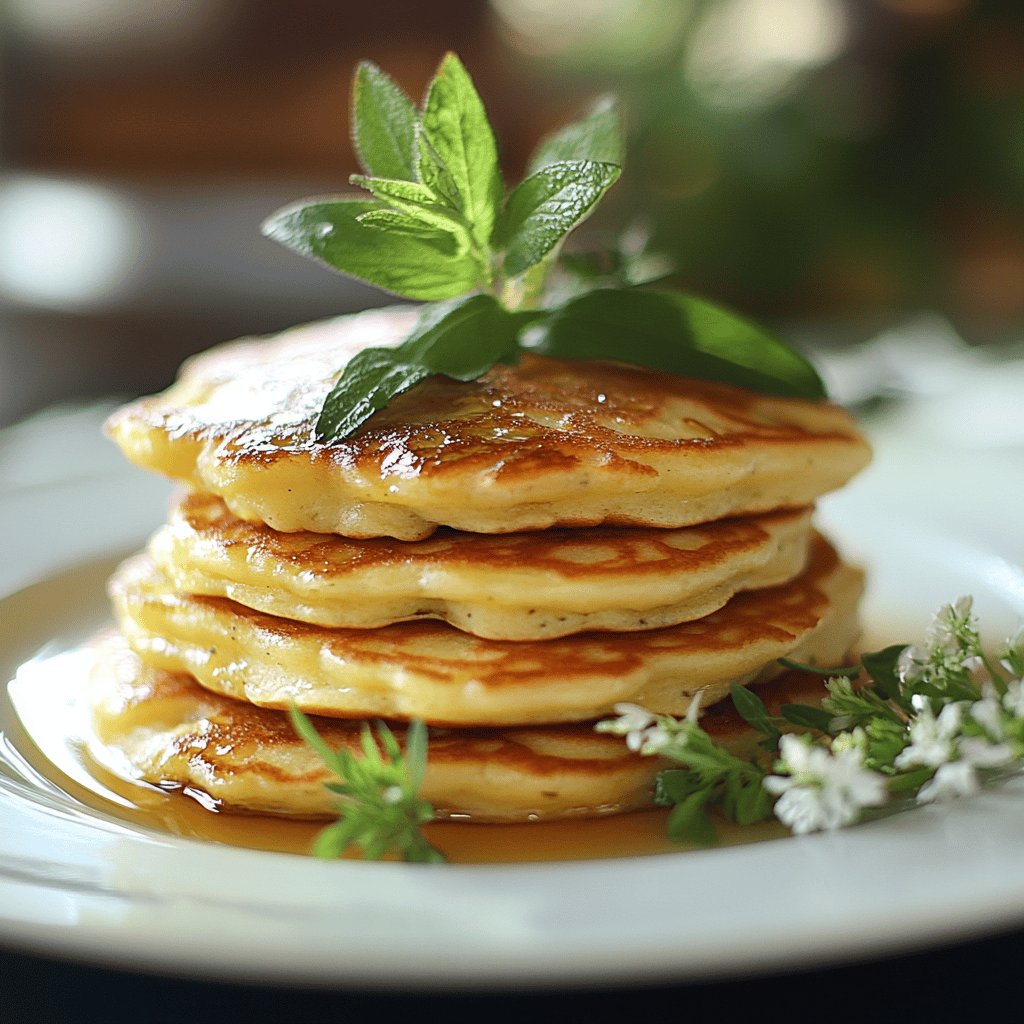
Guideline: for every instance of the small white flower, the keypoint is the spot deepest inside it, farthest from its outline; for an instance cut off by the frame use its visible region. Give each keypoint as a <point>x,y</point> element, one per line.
<point>392,795</point>
<point>910,666</point>
<point>936,742</point>
<point>823,790</point>
<point>1013,699</point>
<point>632,722</point>
<point>635,739</point>
<point>800,810</point>
<point>932,740</point>
<point>979,752</point>
<point>852,738</point>
<point>840,694</point>
<point>654,739</point>
<point>631,718</point>
<point>799,757</point>
<point>987,712</point>
<point>693,711</point>
<point>953,780</point>
<point>950,627</point>
<point>645,732</point>
<point>1014,650</point>
<point>950,646</point>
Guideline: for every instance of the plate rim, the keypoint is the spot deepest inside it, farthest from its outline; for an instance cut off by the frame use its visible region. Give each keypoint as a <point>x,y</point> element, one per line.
<point>522,949</point>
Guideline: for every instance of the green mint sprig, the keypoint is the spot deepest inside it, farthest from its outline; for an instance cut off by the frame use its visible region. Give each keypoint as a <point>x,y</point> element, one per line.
<point>436,223</point>
<point>380,810</point>
<point>908,725</point>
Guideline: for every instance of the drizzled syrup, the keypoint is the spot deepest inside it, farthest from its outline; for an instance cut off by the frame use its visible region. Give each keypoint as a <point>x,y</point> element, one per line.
<point>44,723</point>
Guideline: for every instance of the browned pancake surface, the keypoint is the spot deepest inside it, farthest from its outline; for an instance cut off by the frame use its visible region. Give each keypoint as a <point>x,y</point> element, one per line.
<point>544,443</point>
<point>509,587</point>
<point>163,728</point>
<point>431,671</point>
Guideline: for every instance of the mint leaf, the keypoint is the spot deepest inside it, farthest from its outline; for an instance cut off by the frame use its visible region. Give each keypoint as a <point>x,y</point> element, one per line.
<point>415,200</point>
<point>807,717</point>
<point>689,819</point>
<point>435,175</point>
<point>395,189</point>
<point>461,340</point>
<point>598,137</point>
<point>751,709</point>
<point>621,262</point>
<point>545,207</point>
<point>881,666</point>
<point>677,334</point>
<point>384,124</point>
<point>674,785</point>
<point>372,378</point>
<point>458,146</point>
<point>436,228</point>
<point>398,222</point>
<point>751,802</point>
<point>417,266</point>
<point>744,798</point>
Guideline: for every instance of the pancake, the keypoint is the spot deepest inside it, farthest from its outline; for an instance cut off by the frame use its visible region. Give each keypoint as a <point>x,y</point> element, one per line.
<point>545,443</point>
<point>513,587</point>
<point>162,728</point>
<point>432,671</point>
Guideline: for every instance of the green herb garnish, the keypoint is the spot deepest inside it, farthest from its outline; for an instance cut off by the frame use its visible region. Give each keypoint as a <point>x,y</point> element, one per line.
<point>380,810</point>
<point>919,724</point>
<point>436,223</point>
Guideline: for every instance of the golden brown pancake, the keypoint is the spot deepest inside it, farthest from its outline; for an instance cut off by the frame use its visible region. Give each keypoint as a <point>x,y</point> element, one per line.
<point>162,728</point>
<point>432,671</point>
<point>545,443</point>
<point>509,587</point>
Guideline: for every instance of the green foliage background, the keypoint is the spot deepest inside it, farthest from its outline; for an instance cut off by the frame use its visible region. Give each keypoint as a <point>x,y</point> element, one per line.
<point>886,179</point>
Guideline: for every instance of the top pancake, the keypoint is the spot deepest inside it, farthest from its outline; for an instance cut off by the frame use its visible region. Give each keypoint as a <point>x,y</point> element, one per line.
<point>545,443</point>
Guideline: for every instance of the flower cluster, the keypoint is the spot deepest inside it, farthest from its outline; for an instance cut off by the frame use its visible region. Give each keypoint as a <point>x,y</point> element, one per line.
<point>820,788</point>
<point>951,645</point>
<point>922,724</point>
<point>648,733</point>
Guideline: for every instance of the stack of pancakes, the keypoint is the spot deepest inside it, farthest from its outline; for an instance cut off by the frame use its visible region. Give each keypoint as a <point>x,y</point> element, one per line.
<point>505,559</point>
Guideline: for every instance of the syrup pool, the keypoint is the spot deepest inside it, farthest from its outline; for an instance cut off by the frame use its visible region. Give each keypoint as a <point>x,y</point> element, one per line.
<point>44,722</point>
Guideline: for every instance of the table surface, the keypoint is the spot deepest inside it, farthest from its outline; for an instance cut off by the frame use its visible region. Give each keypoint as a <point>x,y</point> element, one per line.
<point>962,982</point>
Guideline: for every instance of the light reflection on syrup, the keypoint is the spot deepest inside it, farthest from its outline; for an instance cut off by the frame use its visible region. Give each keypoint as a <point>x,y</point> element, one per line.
<point>53,769</point>
<point>48,696</point>
<point>54,762</point>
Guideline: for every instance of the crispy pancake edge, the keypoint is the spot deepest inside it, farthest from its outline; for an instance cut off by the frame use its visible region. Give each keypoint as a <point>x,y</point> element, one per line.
<point>434,672</point>
<point>161,727</point>
<point>509,587</point>
<point>546,443</point>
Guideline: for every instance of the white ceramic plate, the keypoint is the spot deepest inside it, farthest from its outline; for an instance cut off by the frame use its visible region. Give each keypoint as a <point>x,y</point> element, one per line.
<point>81,884</point>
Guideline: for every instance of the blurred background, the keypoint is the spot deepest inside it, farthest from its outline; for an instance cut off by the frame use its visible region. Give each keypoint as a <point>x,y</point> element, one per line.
<point>834,168</point>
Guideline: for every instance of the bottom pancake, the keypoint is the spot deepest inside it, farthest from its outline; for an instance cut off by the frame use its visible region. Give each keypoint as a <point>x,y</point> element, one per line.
<point>162,728</point>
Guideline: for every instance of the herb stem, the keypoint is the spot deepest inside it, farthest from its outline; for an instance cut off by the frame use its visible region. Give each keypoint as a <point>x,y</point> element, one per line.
<point>998,679</point>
